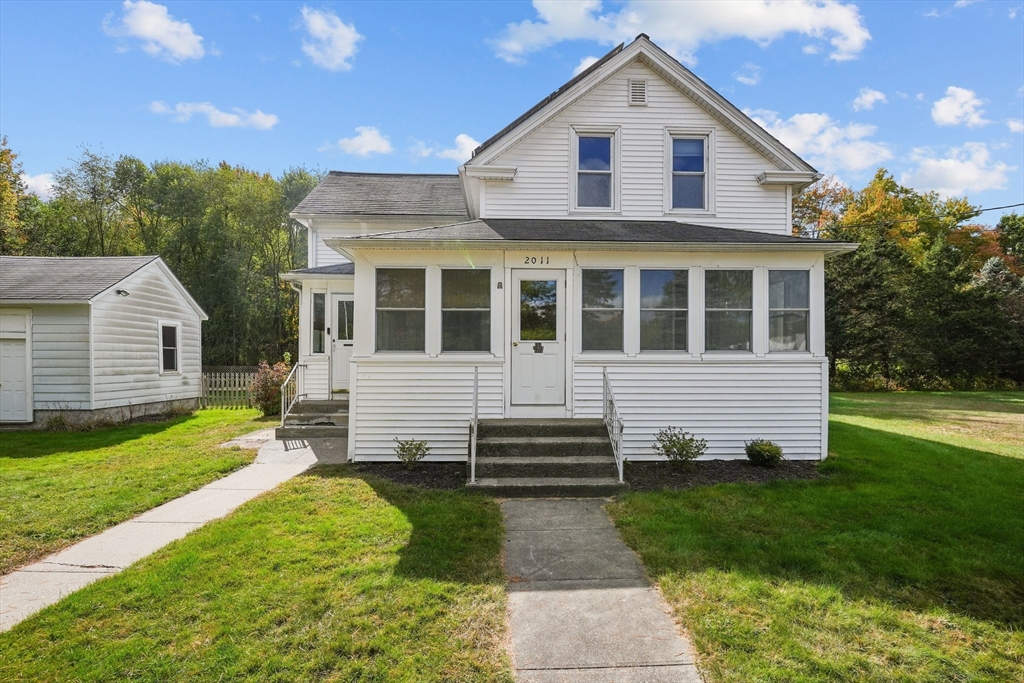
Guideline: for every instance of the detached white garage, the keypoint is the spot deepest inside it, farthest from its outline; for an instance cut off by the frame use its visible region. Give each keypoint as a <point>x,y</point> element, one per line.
<point>113,338</point>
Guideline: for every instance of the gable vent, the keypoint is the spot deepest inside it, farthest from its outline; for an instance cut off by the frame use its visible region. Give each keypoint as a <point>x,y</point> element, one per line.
<point>637,91</point>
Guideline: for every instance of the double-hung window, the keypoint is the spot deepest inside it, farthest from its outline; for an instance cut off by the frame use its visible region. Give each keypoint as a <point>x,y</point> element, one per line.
<point>663,309</point>
<point>401,309</point>
<point>594,182</point>
<point>788,308</point>
<point>689,173</point>
<point>169,347</point>
<point>728,310</point>
<point>319,322</point>
<point>602,310</point>
<point>465,309</point>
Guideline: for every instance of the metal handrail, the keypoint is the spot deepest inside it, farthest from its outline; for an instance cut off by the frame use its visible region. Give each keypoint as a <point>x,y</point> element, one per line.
<point>473,423</point>
<point>613,421</point>
<point>291,389</point>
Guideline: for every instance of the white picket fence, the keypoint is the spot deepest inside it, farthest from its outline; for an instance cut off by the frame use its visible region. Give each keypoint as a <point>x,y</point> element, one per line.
<point>228,387</point>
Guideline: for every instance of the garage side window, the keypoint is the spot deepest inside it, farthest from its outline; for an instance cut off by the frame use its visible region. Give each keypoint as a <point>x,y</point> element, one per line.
<point>168,348</point>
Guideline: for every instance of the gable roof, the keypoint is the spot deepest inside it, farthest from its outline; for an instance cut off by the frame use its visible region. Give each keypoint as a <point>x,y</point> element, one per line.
<point>342,193</point>
<point>666,66</point>
<point>498,232</point>
<point>69,279</point>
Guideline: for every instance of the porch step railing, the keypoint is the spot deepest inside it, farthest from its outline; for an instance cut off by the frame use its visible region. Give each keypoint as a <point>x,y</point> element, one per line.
<point>291,390</point>
<point>613,421</point>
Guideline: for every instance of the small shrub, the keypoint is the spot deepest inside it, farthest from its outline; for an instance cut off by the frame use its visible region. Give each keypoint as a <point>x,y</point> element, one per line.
<point>411,451</point>
<point>58,423</point>
<point>764,453</point>
<point>266,387</point>
<point>679,446</point>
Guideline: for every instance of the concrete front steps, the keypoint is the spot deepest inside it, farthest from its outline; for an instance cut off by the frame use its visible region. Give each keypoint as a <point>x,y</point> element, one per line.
<point>540,458</point>
<point>316,420</point>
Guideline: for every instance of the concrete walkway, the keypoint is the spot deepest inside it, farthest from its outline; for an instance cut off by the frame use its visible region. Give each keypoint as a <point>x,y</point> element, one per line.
<point>33,587</point>
<point>580,605</point>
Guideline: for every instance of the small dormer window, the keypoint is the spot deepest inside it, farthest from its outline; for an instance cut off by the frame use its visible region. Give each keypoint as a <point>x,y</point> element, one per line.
<point>637,92</point>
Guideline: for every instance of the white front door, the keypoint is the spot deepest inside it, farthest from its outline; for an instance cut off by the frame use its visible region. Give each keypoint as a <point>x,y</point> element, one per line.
<point>341,341</point>
<point>13,381</point>
<point>538,337</point>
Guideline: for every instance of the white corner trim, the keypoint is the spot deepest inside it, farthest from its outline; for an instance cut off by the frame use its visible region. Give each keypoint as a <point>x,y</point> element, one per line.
<point>492,172</point>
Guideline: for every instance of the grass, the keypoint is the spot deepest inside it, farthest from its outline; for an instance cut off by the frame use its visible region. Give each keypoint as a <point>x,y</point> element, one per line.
<point>57,488</point>
<point>331,577</point>
<point>905,564</point>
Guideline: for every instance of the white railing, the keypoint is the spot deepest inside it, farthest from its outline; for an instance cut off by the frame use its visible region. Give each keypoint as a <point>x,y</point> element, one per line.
<point>612,421</point>
<point>473,423</point>
<point>291,390</point>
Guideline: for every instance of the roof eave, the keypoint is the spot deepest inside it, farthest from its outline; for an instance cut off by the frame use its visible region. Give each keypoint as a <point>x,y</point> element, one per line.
<point>828,248</point>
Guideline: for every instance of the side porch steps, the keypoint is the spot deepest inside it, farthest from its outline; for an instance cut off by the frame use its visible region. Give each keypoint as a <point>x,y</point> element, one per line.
<point>315,420</point>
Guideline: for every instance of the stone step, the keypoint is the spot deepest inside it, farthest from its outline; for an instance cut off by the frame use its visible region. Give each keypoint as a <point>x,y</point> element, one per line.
<point>303,432</point>
<point>588,467</point>
<point>548,487</point>
<point>560,427</point>
<point>338,419</point>
<point>307,407</point>
<point>544,446</point>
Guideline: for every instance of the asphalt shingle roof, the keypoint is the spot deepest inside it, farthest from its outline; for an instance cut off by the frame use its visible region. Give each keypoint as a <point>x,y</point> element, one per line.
<point>333,269</point>
<point>388,194</point>
<point>568,230</point>
<point>64,278</point>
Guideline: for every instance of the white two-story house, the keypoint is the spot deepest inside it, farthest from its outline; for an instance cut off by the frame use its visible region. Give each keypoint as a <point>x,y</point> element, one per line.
<point>634,226</point>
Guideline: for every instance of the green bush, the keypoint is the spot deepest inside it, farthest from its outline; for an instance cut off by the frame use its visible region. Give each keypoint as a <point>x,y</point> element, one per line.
<point>411,451</point>
<point>764,453</point>
<point>266,386</point>
<point>679,446</point>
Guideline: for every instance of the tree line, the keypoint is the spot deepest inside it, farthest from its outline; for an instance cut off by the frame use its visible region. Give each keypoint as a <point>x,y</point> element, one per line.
<point>931,299</point>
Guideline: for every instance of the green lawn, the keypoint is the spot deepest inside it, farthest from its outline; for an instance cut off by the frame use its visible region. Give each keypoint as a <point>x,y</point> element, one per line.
<point>59,487</point>
<point>906,564</point>
<point>331,577</point>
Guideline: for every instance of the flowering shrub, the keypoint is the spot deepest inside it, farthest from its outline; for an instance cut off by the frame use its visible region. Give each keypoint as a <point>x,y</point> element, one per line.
<point>266,386</point>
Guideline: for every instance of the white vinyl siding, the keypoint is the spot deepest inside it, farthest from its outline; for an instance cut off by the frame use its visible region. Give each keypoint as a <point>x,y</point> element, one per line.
<point>127,345</point>
<point>60,357</point>
<point>431,401</point>
<point>541,188</point>
<point>725,403</point>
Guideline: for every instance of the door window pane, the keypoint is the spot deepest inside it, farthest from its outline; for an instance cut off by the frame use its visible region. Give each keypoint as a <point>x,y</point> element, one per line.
<point>169,347</point>
<point>688,173</point>
<point>345,311</point>
<point>728,309</point>
<point>319,322</point>
<point>664,297</point>
<point>401,315</point>
<point>602,310</point>
<point>594,172</point>
<point>538,310</point>
<point>788,309</point>
<point>466,310</point>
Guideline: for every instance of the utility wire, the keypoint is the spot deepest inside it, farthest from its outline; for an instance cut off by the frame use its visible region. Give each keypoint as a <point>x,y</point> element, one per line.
<point>961,216</point>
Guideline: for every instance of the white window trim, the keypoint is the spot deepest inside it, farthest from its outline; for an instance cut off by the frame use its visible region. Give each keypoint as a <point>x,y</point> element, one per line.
<point>575,131</point>
<point>769,309</point>
<point>754,327</point>
<point>327,322</point>
<point>428,297</point>
<point>708,134</point>
<point>640,309</point>
<point>160,325</point>
<point>441,309</point>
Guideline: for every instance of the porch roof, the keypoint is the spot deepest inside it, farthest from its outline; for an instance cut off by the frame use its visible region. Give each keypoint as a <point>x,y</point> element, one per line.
<point>332,271</point>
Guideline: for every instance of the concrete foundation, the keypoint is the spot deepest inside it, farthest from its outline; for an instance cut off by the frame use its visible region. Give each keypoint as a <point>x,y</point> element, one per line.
<point>114,415</point>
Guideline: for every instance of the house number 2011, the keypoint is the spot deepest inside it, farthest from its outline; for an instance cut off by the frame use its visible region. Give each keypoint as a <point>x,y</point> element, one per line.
<point>535,260</point>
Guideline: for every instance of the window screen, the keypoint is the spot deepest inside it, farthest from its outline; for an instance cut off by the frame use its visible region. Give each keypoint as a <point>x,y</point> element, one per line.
<point>465,310</point>
<point>663,316</point>
<point>788,309</point>
<point>728,309</point>
<point>602,310</point>
<point>401,304</point>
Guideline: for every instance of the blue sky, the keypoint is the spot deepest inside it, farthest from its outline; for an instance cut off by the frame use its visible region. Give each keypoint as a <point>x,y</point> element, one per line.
<point>933,91</point>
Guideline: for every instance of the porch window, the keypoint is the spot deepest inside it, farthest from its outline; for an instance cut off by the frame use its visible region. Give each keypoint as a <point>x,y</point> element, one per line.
<point>602,310</point>
<point>319,322</point>
<point>728,308</point>
<point>401,304</point>
<point>168,348</point>
<point>688,173</point>
<point>594,172</point>
<point>788,309</point>
<point>663,309</point>
<point>465,310</point>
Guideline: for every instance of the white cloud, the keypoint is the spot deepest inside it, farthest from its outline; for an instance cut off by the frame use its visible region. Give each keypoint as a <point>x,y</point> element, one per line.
<point>811,49</point>
<point>1015,125</point>
<point>867,99</point>
<point>420,150</point>
<point>584,64</point>
<point>236,118</point>
<point>367,141</point>
<point>162,35</point>
<point>682,27</point>
<point>825,142</point>
<point>1014,11</point>
<point>463,150</point>
<point>963,3</point>
<point>963,170</point>
<point>332,43</point>
<point>959,106</point>
<point>40,184</point>
<point>749,75</point>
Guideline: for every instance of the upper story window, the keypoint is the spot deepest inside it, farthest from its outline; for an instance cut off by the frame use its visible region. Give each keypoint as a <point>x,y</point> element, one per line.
<point>594,182</point>
<point>788,308</point>
<point>169,347</point>
<point>602,310</point>
<point>465,309</point>
<point>664,299</point>
<point>728,310</point>
<point>689,173</point>
<point>401,309</point>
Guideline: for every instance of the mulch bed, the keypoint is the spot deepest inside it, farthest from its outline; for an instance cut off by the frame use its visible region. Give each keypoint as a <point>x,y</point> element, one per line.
<point>446,476</point>
<point>658,476</point>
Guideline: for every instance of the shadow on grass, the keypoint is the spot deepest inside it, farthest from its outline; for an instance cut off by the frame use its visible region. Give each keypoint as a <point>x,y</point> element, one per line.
<point>456,536</point>
<point>36,444</point>
<point>916,523</point>
<point>925,406</point>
